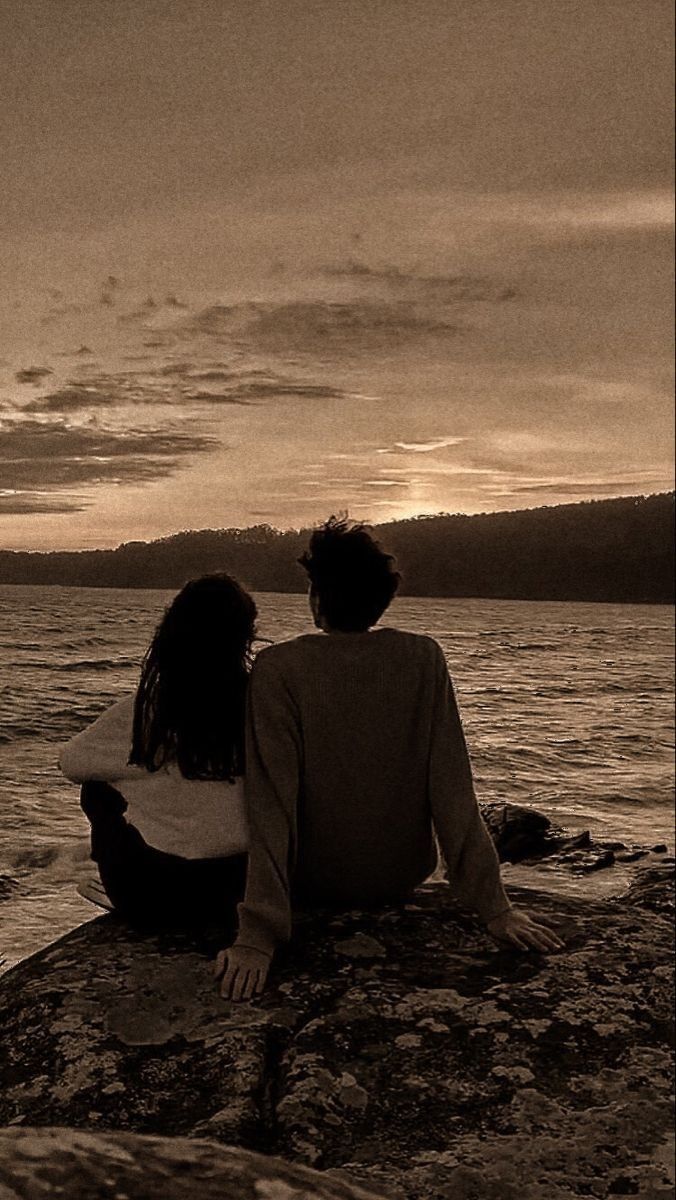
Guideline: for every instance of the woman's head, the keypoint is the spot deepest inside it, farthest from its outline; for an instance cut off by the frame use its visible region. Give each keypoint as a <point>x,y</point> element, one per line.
<point>190,700</point>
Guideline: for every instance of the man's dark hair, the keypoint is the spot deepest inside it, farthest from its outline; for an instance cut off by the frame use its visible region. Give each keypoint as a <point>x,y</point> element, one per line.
<point>352,577</point>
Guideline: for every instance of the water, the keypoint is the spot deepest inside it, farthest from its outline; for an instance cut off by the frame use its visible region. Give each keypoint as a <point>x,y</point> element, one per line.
<point>567,707</point>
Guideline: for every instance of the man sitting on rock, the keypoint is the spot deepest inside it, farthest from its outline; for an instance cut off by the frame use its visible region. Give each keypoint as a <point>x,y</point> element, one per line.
<point>355,756</point>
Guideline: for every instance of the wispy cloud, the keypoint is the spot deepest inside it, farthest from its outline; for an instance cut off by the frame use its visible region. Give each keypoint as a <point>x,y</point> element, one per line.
<point>313,325</point>
<point>71,398</point>
<point>441,288</point>
<point>423,447</point>
<point>32,374</point>
<point>611,212</point>
<point>588,487</point>
<point>177,383</point>
<point>36,455</point>
<point>387,483</point>
<point>17,503</point>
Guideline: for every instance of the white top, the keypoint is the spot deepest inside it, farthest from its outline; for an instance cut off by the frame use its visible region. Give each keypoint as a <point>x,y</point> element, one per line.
<point>194,818</point>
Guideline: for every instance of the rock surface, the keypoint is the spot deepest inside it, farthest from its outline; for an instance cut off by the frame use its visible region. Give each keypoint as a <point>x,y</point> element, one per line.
<point>109,1166</point>
<point>399,1051</point>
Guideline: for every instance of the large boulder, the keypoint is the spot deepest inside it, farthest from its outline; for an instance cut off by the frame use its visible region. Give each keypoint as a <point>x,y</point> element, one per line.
<point>35,1163</point>
<point>400,1050</point>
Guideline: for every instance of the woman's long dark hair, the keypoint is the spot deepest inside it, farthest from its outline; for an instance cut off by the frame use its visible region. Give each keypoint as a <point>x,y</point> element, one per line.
<point>190,700</point>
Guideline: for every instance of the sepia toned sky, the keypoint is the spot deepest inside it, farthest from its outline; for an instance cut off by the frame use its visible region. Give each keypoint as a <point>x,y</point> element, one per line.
<point>265,261</point>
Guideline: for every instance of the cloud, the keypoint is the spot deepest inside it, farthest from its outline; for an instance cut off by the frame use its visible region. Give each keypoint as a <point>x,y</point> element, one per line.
<point>246,389</point>
<point>32,374</point>
<point>174,384</point>
<point>311,326</point>
<point>71,398</point>
<point>423,447</point>
<point>594,212</point>
<point>388,483</point>
<point>444,289</point>
<point>571,487</point>
<point>17,503</point>
<point>218,398</point>
<point>37,455</point>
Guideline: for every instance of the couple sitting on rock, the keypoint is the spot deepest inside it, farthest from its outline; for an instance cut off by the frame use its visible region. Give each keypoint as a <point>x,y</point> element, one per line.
<point>315,779</point>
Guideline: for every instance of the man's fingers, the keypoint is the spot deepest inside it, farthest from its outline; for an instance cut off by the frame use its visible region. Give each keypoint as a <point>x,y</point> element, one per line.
<point>546,937</point>
<point>541,938</point>
<point>518,930</point>
<point>227,983</point>
<point>239,980</point>
<point>220,963</point>
<point>542,922</point>
<point>237,985</point>
<point>249,985</point>
<point>552,942</point>
<point>539,943</point>
<point>519,940</point>
<point>242,985</point>
<point>545,926</point>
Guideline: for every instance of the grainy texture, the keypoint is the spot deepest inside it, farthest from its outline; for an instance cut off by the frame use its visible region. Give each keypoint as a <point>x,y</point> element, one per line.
<point>398,1049</point>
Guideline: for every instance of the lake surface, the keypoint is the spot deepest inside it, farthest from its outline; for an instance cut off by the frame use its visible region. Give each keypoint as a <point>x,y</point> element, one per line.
<point>567,707</point>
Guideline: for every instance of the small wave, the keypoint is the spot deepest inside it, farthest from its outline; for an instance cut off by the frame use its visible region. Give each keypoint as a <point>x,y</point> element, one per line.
<point>562,689</point>
<point>54,861</point>
<point>646,799</point>
<point>7,886</point>
<point>35,858</point>
<point>97,664</point>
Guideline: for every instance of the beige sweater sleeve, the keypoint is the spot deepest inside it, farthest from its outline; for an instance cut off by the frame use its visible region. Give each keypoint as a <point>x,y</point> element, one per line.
<point>273,766</point>
<point>472,866</point>
<point>102,750</point>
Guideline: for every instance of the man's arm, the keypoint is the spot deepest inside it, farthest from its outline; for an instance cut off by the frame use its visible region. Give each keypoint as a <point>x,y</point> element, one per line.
<point>472,865</point>
<point>273,759</point>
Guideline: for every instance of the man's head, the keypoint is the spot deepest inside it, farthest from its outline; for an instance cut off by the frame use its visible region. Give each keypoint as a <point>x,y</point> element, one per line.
<point>352,580</point>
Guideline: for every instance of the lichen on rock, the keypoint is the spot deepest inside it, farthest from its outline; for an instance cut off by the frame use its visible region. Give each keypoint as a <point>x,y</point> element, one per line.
<point>429,1064</point>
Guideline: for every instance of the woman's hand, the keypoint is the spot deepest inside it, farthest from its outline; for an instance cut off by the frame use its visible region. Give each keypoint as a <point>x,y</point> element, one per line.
<point>515,928</point>
<point>242,972</point>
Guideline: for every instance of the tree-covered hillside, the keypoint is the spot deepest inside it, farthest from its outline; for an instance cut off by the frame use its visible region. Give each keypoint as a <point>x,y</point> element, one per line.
<point>609,550</point>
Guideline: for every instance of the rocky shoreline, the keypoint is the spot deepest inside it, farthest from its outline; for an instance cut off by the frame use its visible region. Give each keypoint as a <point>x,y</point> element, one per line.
<point>398,1052</point>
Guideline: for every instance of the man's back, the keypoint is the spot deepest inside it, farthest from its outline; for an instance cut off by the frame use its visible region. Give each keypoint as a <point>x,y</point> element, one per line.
<point>364,705</point>
<point>354,749</point>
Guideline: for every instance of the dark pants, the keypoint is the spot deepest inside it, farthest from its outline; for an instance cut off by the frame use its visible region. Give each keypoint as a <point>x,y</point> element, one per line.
<point>149,887</point>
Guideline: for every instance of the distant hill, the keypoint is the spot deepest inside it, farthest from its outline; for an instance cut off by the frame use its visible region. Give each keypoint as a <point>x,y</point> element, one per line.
<point>601,550</point>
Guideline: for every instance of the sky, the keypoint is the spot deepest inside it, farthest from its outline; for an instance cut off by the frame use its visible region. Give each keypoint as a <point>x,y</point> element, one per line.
<point>268,261</point>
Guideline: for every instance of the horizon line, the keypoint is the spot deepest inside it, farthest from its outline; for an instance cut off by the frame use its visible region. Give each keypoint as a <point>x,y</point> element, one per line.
<point>369,524</point>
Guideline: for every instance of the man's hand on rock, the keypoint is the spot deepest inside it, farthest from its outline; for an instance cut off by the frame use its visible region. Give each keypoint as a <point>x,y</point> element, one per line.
<point>516,928</point>
<point>242,972</point>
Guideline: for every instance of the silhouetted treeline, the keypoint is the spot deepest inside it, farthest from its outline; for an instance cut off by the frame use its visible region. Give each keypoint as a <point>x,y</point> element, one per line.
<point>603,550</point>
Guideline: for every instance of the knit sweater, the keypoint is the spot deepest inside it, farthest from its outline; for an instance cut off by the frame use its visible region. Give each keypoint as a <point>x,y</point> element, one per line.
<point>193,818</point>
<point>355,754</point>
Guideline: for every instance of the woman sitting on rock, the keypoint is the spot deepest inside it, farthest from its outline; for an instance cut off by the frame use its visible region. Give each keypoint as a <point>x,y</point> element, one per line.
<point>162,771</point>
